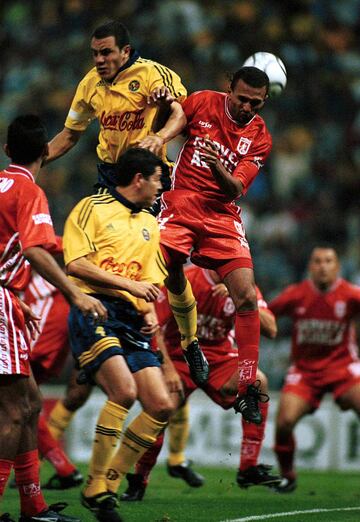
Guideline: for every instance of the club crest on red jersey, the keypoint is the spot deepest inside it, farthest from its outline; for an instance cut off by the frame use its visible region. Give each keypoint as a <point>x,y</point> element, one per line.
<point>243,145</point>
<point>340,309</point>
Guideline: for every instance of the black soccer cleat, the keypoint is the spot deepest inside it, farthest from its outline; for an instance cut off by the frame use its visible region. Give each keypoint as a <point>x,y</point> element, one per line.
<point>286,486</point>
<point>248,404</point>
<point>257,476</point>
<point>184,472</point>
<point>51,515</point>
<point>197,362</point>
<point>103,506</point>
<point>5,517</point>
<point>136,488</point>
<point>69,481</point>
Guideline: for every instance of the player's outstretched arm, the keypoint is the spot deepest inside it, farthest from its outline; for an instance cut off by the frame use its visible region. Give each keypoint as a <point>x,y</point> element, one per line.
<point>47,267</point>
<point>87,271</point>
<point>62,143</point>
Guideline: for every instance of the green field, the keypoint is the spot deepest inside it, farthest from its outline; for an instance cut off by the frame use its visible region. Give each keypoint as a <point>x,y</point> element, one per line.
<point>220,499</point>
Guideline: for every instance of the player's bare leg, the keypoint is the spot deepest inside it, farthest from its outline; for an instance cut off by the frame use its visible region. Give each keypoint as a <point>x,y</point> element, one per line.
<point>291,409</point>
<point>20,405</point>
<point>183,305</point>
<point>75,397</point>
<point>350,400</point>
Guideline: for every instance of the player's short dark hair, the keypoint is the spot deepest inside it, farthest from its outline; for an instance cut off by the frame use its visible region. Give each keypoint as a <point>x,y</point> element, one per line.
<point>251,76</point>
<point>135,160</point>
<point>26,139</point>
<point>113,28</point>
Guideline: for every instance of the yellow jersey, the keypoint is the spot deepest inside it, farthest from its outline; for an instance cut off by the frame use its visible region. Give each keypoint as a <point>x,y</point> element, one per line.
<point>114,235</point>
<point>121,107</point>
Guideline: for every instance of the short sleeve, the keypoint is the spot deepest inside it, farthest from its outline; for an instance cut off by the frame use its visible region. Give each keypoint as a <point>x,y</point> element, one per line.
<point>34,222</point>
<point>79,232</point>
<point>249,165</point>
<point>162,75</point>
<point>81,113</point>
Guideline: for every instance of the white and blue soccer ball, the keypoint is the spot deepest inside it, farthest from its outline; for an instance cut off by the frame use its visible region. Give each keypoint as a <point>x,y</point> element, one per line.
<point>273,66</point>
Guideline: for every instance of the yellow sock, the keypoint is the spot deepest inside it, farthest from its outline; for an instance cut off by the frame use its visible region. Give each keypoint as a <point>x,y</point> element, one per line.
<point>59,419</point>
<point>138,437</point>
<point>107,435</point>
<point>183,307</point>
<point>178,435</point>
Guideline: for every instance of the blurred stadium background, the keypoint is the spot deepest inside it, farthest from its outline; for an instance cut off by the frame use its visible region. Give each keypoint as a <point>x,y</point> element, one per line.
<point>308,191</point>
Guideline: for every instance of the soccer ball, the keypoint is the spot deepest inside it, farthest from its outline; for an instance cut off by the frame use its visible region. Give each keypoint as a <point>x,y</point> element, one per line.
<point>273,67</point>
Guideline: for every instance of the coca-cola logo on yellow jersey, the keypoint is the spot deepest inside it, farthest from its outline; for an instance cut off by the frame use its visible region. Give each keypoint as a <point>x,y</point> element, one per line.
<point>127,121</point>
<point>131,270</point>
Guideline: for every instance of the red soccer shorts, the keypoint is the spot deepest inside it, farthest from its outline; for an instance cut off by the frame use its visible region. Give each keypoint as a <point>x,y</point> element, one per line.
<point>223,363</point>
<point>14,347</point>
<point>209,231</point>
<point>311,386</point>
<point>51,348</point>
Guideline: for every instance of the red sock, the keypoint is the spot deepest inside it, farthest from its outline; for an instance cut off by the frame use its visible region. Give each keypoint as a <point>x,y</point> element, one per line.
<point>285,451</point>
<point>52,451</point>
<point>27,479</point>
<point>5,469</point>
<point>252,437</point>
<point>247,336</point>
<point>148,460</point>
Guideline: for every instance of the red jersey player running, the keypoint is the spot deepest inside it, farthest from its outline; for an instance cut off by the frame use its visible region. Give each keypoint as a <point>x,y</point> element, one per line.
<point>324,352</point>
<point>226,146</point>
<point>26,232</point>
<point>216,315</point>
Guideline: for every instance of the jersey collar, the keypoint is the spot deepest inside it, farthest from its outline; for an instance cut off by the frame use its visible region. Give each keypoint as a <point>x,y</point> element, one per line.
<point>331,288</point>
<point>13,168</point>
<point>128,204</point>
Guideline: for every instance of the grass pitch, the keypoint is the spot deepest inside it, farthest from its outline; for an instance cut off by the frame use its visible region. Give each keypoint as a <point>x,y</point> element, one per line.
<point>321,496</point>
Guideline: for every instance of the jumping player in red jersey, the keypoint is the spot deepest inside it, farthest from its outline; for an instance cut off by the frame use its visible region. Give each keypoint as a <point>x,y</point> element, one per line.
<point>216,317</point>
<point>227,143</point>
<point>26,228</point>
<point>324,352</point>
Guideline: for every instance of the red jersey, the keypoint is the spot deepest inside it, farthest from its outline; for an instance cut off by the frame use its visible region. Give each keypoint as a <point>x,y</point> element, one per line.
<point>242,150</point>
<point>24,222</point>
<point>323,333</point>
<point>216,315</point>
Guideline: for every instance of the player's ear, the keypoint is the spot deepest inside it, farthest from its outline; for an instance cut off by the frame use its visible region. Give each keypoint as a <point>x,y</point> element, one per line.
<point>126,49</point>
<point>45,152</point>
<point>6,150</point>
<point>138,179</point>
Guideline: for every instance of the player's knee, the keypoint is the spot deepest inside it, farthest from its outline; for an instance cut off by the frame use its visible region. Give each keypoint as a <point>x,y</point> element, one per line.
<point>285,424</point>
<point>123,397</point>
<point>76,397</point>
<point>263,380</point>
<point>162,409</point>
<point>246,299</point>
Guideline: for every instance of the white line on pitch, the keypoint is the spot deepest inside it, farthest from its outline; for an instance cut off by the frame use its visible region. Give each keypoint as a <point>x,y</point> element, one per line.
<point>290,513</point>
